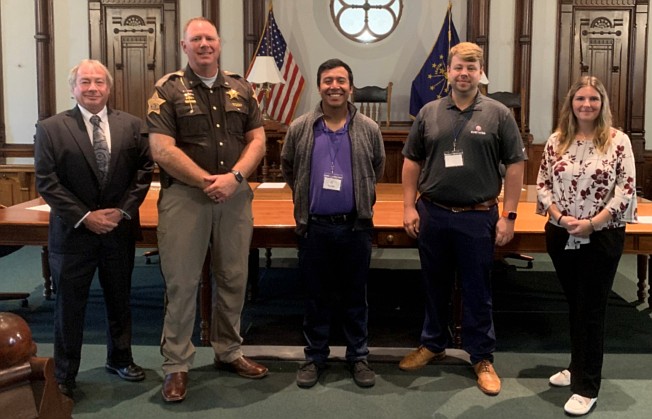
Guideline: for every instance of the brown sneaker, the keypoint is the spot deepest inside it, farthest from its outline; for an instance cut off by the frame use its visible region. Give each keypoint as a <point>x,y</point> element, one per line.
<point>488,380</point>
<point>419,358</point>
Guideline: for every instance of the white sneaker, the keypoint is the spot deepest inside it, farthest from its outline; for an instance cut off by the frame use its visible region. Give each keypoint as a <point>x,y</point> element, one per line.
<point>561,379</point>
<point>577,406</point>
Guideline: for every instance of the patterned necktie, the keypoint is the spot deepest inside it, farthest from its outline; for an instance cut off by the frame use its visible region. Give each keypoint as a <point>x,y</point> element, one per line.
<point>102,154</point>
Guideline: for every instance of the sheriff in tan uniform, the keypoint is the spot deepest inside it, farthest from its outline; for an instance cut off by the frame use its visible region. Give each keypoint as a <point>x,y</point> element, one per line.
<point>207,137</point>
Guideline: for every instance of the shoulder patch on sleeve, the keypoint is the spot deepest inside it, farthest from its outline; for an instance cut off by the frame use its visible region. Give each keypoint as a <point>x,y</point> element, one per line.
<point>154,103</point>
<point>169,76</point>
<point>232,74</point>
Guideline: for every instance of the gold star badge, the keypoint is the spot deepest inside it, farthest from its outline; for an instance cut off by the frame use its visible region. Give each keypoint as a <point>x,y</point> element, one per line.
<point>154,104</point>
<point>233,94</point>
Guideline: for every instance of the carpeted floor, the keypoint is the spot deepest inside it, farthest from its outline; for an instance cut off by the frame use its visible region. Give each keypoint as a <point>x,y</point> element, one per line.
<point>530,311</point>
<point>531,326</point>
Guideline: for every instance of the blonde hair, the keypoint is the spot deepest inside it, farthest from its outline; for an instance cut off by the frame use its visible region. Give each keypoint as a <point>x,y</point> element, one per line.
<point>467,51</point>
<point>567,125</point>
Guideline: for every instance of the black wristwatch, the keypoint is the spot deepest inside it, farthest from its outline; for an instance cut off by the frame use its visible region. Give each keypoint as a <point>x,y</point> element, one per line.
<point>511,215</point>
<point>238,176</point>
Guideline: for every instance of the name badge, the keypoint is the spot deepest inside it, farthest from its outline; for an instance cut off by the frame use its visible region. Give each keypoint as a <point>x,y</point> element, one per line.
<point>453,159</point>
<point>332,182</point>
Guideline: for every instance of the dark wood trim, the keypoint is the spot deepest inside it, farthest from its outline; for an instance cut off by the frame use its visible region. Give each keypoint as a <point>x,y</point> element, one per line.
<point>16,150</point>
<point>211,11</point>
<point>3,136</point>
<point>254,15</point>
<point>45,58</point>
<point>523,59</point>
<point>477,26</point>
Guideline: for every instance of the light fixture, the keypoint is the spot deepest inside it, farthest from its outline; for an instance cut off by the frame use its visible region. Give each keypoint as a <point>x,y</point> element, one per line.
<point>265,73</point>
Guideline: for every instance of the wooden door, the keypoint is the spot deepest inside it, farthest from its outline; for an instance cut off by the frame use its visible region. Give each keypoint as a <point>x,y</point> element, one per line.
<point>602,39</point>
<point>131,55</point>
<point>607,39</point>
<point>138,42</point>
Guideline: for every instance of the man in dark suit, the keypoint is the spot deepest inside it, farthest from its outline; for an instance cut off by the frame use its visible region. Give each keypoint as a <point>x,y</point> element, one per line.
<point>94,174</point>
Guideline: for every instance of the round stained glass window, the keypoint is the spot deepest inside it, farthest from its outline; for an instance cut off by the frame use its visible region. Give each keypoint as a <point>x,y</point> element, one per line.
<point>366,21</point>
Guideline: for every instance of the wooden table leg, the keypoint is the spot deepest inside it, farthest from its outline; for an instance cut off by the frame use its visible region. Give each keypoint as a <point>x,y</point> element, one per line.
<point>48,287</point>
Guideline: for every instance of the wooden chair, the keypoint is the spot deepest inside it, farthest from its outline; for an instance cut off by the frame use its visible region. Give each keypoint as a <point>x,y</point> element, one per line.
<point>513,101</point>
<point>370,99</point>
<point>28,388</point>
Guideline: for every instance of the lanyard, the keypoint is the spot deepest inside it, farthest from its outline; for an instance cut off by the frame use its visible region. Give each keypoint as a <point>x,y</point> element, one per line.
<point>334,142</point>
<point>456,129</point>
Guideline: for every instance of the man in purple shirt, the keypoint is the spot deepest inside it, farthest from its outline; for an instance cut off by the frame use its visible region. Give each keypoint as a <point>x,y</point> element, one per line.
<point>332,158</point>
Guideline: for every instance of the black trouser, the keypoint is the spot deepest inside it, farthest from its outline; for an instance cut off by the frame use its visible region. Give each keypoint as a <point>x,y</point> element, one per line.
<point>586,276</point>
<point>334,263</point>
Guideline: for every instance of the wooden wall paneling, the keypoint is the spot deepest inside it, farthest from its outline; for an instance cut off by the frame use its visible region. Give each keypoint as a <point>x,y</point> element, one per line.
<point>565,39</point>
<point>521,82</point>
<point>608,39</point>
<point>255,13</point>
<point>138,42</point>
<point>211,11</point>
<point>170,36</point>
<point>45,58</point>
<point>477,26</point>
<point>3,135</point>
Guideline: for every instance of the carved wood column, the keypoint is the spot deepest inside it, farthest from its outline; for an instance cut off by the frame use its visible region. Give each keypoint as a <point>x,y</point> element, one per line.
<point>523,58</point>
<point>211,11</point>
<point>255,13</point>
<point>45,58</point>
<point>3,136</point>
<point>477,26</point>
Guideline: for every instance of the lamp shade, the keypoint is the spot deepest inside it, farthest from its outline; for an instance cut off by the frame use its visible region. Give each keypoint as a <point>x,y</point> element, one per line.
<point>264,70</point>
<point>483,79</point>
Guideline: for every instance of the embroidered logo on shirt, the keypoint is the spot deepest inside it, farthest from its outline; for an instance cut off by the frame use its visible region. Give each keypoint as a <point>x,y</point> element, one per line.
<point>478,130</point>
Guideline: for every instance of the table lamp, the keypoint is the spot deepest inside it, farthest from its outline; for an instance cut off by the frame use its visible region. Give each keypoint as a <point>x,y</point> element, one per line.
<point>265,73</point>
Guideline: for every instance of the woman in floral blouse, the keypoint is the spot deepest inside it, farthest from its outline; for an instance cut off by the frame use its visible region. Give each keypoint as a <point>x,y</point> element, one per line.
<point>587,188</point>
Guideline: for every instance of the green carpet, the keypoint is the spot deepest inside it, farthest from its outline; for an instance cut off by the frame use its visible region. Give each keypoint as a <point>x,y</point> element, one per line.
<point>531,325</point>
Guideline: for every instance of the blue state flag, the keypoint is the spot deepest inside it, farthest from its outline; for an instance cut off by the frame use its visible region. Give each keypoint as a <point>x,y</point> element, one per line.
<point>432,82</point>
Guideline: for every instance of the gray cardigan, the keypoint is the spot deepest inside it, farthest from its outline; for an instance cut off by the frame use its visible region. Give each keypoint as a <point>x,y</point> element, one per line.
<point>368,163</point>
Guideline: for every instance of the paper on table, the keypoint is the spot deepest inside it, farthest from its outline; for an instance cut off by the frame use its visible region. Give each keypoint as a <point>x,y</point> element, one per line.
<point>271,185</point>
<point>44,207</point>
<point>645,219</point>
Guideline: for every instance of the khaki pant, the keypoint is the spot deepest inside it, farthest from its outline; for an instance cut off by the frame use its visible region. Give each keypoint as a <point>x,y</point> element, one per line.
<point>188,222</point>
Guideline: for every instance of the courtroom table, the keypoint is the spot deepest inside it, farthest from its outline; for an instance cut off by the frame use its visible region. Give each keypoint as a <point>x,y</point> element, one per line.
<point>274,228</point>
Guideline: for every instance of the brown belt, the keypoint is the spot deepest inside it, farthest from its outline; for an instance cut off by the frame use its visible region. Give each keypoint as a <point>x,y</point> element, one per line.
<point>482,206</point>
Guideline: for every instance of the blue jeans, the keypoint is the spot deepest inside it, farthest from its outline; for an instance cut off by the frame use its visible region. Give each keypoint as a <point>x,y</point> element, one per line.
<point>334,266</point>
<point>458,245</point>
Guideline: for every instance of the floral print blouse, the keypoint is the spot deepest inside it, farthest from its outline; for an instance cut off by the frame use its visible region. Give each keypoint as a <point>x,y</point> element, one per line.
<point>583,181</point>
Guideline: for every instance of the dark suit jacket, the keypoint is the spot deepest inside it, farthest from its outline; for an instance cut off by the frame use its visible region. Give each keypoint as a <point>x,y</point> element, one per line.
<point>67,175</point>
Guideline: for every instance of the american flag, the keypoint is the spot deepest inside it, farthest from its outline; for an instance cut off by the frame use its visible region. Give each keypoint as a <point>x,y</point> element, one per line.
<point>284,97</point>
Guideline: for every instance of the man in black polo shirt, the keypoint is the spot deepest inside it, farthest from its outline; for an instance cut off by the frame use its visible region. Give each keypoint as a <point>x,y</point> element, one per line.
<point>452,158</point>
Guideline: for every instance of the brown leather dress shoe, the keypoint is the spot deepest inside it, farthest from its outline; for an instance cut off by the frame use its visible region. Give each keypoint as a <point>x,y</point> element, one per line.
<point>244,367</point>
<point>488,380</point>
<point>174,386</point>
<point>419,358</point>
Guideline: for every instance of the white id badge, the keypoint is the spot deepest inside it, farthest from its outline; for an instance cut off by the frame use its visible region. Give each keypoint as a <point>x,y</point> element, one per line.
<point>332,182</point>
<point>453,159</point>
